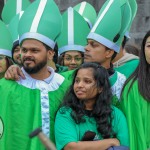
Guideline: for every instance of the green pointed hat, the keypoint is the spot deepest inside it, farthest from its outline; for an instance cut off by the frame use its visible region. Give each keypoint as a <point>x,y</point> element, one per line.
<point>111,24</point>
<point>13,7</point>
<point>13,28</point>
<point>5,40</point>
<point>133,5</point>
<point>74,32</point>
<point>41,21</point>
<point>87,11</point>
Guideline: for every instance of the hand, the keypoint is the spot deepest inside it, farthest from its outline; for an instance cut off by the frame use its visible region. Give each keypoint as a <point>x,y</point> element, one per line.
<point>13,73</point>
<point>115,142</point>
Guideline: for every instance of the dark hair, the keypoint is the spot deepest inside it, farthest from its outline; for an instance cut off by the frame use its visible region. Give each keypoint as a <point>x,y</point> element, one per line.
<point>132,49</point>
<point>102,111</point>
<point>125,39</point>
<point>142,73</point>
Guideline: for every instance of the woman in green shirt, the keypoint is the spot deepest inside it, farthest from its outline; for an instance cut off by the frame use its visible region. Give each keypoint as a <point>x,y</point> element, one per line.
<point>87,120</point>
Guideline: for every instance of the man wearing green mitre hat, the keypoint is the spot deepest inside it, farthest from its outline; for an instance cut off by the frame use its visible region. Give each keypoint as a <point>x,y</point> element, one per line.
<point>13,7</point>
<point>87,11</point>
<point>32,102</point>
<point>105,39</point>
<point>72,39</point>
<point>13,28</point>
<point>124,62</point>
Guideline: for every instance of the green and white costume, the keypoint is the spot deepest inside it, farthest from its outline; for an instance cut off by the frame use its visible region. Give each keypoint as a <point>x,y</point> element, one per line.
<point>26,105</point>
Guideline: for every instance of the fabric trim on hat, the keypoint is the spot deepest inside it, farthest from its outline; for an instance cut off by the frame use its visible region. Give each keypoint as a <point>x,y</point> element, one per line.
<point>89,22</point>
<point>104,41</point>
<point>5,52</point>
<point>38,15</point>
<point>101,16</point>
<point>70,26</point>
<point>82,7</point>
<point>19,6</point>
<point>127,35</point>
<point>71,48</point>
<point>37,36</point>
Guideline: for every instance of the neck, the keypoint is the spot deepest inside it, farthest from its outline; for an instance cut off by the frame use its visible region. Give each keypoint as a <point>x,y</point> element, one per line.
<point>119,55</point>
<point>89,104</point>
<point>42,74</point>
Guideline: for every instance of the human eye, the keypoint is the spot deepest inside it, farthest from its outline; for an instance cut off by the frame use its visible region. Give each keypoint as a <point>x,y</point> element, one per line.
<point>78,58</point>
<point>88,81</point>
<point>68,58</point>
<point>24,50</point>
<point>76,80</point>
<point>35,50</point>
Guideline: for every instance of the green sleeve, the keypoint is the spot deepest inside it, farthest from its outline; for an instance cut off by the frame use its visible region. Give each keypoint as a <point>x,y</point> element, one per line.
<point>65,129</point>
<point>120,127</point>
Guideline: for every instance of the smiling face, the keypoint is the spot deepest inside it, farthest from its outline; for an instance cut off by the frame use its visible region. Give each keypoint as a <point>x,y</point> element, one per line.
<point>147,50</point>
<point>85,85</point>
<point>73,59</point>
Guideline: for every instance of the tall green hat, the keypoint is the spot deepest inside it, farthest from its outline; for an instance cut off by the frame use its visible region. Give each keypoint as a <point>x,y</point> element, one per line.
<point>111,24</point>
<point>74,32</point>
<point>13,28</point>
<point>41,21</point>
<point>133,6</point>
<point>87,11</point>
<point>5,40</point>
<point>13,7</point>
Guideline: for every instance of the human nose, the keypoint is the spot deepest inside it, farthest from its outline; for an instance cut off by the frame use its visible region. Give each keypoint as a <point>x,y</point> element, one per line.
<point>73,61</point>
<point>87,47</point>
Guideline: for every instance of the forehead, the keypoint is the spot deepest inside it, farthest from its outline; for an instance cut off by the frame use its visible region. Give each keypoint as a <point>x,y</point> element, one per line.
<point>72,53</point>
<point>148,40</point>
<point>31,43</point>
<point>85,73</point>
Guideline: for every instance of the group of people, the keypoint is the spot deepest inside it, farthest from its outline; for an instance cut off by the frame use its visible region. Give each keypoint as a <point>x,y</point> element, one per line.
<point>73,78</point>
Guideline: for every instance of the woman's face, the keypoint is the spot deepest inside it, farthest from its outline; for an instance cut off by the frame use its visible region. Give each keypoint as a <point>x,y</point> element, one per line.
<point>147,50</point>
<point>3,64</point>
<point>72,59</point>
<point>85,86</point>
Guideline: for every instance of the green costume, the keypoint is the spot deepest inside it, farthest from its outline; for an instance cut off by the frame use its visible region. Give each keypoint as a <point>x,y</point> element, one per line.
<point>27,105</point>
<point>137,112</point>
<point>72,132</point>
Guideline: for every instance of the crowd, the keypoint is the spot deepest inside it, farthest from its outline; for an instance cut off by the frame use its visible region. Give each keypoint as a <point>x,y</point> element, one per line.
<point>73,76</point>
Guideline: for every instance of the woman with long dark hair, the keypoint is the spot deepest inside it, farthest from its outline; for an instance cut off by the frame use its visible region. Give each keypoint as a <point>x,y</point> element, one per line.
<point>87,120</point>
<point>135,101</point>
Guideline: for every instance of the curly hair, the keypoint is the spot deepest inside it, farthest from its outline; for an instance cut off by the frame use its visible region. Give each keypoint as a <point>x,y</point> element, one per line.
<point>102,111</point>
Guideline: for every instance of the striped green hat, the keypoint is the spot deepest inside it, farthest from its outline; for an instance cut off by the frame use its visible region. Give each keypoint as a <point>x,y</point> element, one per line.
<point>133,5</point>
<point>41,21</point>
<point>13,7</point>
<point>6,40</point>
<point>87,11</point>
<point>74,32</point>
<point>111,24</point>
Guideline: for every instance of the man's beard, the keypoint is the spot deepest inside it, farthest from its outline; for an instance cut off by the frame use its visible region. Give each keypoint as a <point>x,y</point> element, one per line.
<point>36,68</point>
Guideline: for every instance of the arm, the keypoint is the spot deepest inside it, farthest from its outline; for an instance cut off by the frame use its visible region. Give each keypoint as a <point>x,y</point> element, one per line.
<point>13,73</point>
<point>68,135</point>
<point>94,145</point>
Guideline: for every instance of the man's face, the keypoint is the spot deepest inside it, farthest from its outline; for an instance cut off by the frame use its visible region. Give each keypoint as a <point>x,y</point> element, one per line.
<point>95,52</point>
<point>34,56</point>
<point>16,55</point>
